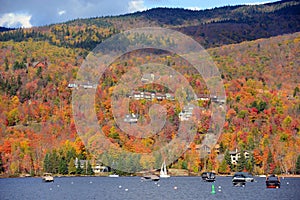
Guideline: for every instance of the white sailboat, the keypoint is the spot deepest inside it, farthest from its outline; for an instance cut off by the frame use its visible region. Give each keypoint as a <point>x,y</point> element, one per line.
<point>163,171</point>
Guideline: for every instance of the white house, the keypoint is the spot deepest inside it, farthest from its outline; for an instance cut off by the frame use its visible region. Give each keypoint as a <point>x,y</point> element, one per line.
<point>235,155</point>
<point>186,113</point>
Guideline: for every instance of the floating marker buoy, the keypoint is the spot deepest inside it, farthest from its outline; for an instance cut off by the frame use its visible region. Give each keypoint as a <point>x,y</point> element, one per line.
<point>126,189</point>
<point>50,189</point>
<point>220,186</point>
<point>91,182</point>
<point>158,185</point>
<point>175,188</point>
<point>120,186</point>
<point>287,183</point>
<point>213,191</point>
<point>58,185</point>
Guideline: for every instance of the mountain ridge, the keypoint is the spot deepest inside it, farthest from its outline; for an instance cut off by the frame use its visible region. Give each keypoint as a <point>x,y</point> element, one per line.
<point>211,27</point>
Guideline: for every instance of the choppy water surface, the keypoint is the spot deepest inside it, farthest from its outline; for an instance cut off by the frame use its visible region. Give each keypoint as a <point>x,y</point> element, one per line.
<point>183,188</point>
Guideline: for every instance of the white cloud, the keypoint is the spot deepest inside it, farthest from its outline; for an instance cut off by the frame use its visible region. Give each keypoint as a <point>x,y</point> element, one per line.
<point>13,20</point>
<point>61,12</point>
<point>136,5</point>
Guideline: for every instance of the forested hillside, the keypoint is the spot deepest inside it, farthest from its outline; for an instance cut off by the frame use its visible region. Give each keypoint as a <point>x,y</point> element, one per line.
<point>260,73</point>
<point>212,27</point>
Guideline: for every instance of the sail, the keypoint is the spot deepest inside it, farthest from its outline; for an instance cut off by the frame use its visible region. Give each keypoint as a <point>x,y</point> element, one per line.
<point>163,170</point>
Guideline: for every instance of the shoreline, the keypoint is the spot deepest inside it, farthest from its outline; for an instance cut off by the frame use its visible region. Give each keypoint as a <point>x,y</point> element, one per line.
<point>138,175</point>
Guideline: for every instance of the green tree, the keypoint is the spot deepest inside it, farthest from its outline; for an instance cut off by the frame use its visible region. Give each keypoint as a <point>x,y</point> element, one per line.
<point>298,165</point>
<point>222,147</point>
<point>39,72</point>
<point>71,166</point>
<point>63,167</point>
<point>223,168</point>
<point>47,164</point>
<point>13,117</point>
<point>1,165</point>
<point>227,158</point>
<point>78,168</point>
<point>71,154</point>
<point>296,91</point>
<point>250,163</point>
<point>89,169</point>
<point>241,163</point>
<point>54,162</point>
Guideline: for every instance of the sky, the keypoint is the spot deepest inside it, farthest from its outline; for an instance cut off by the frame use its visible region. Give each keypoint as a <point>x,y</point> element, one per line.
<point>28,13</point>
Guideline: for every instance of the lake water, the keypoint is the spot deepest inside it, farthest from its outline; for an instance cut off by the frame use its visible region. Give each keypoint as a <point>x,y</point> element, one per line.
<point>131,188</point>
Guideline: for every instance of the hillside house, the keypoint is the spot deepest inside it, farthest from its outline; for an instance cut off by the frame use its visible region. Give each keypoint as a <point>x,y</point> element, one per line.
<point>235,155</point>
<point>131,118</point>
<point>73,85</point>
<point>148,78</point>
<point>41,64</point>
<point>186,113</point>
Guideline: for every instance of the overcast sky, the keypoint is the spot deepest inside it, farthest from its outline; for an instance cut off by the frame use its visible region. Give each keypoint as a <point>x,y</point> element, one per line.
<point>28,13</point>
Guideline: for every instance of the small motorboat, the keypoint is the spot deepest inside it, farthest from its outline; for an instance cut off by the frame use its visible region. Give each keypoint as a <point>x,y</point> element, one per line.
<point>273,181</point>
<point>150,178</point>
<point>208,176</point>
<point>47,177</point>
<point>249,177</point>
<point>239,179</point>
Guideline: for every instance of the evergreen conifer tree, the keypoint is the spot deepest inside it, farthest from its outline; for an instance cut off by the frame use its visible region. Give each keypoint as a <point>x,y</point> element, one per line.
<point>63,168</point>
<point>298,165</point>
<point>71,166</point>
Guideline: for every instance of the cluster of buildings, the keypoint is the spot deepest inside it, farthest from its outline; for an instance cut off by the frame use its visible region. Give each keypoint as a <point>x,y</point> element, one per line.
<point>97,168</point>
<point>138,95</point>
<point>84,85</point>
<point>234,155</point>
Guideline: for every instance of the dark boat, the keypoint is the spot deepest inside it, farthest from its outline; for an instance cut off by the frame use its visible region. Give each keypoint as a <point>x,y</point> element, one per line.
<point>208,176</point>
<point>272,181</point>
<point>150,178</point>
<point>239,179</point>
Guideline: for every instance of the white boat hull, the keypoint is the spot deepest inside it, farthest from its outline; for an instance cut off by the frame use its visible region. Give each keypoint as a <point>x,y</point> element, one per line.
<point>164,176</point>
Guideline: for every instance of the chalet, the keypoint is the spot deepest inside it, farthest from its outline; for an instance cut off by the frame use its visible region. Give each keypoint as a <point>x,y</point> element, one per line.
<point>73,85</point>
<point>89,86</point>
<point>131,118</point>
<point>186,113</point>
<point>149,95</point>
<point>98,168</point>
<point>148,78</point>
<point>203,98</point>
<point>170,96</point>
<point>83,163</point>
<point>235,155</point>
<point>138,95</point>
<point>206,149</point>
<point>42,64</point>
<point>160,96</point>
<point>216,99</point>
